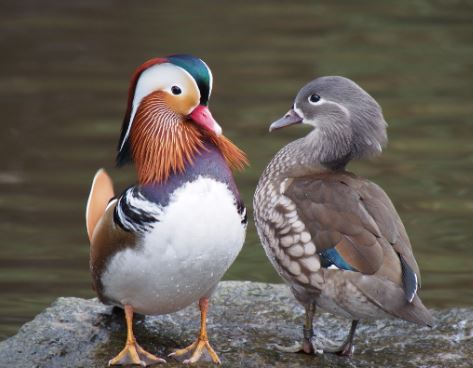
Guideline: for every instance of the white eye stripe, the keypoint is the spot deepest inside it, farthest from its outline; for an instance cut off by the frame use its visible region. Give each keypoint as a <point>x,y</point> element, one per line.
<point>322,101</point>
<point>158,77</point>
<point>341,107</point>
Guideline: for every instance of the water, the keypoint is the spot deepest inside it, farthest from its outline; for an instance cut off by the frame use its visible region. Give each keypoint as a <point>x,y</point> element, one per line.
<point>63,79</point>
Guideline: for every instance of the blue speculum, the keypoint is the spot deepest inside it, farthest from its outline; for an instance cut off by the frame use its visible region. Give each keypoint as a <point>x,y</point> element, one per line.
<point>330,257</point>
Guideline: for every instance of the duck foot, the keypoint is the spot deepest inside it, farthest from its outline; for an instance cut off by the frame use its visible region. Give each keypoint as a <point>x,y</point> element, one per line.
<point>297,348</point>
<point>312,345</point>
<point>134,354</point>
<point>347,348</point>
<point>197,349</point>
<point>306,347</point>
<point>202,342</point>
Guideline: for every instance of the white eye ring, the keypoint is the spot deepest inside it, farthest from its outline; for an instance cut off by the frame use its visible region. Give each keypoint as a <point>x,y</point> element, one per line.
<point>314,99</point>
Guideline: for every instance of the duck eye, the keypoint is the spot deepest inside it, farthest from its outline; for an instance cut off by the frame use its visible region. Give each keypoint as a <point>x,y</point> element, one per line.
<point>176,90</point>
<point>314,98</point>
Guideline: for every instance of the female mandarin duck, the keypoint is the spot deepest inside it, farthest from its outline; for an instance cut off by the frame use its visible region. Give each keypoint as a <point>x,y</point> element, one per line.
<point>335,237</point>
<point>166,242</point>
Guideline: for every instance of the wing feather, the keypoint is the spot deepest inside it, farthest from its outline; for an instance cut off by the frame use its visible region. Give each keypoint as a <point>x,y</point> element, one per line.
<point>357,219</point>
<point>100,194</point>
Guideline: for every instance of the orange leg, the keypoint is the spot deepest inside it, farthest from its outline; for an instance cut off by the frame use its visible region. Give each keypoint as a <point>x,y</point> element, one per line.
<point>133,354</point>
<point>202,342</point>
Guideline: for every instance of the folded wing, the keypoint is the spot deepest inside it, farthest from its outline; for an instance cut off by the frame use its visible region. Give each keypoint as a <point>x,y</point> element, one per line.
<point>100,194</point>
<point>355,227</point>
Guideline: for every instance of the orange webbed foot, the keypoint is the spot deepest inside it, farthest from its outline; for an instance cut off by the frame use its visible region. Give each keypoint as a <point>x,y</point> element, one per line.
<point>202,343</point>
<point>134,354</point>
<point>197,348</point>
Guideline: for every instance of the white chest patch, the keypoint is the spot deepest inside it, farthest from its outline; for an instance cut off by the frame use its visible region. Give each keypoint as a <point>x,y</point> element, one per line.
<point>182,258</point>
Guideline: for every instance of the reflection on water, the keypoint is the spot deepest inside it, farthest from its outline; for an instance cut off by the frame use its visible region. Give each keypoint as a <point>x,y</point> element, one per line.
<point>63,81</point>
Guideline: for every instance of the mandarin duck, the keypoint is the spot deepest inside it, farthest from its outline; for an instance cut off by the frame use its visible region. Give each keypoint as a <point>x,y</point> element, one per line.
<point>333,236</point>
<point>166,241</point>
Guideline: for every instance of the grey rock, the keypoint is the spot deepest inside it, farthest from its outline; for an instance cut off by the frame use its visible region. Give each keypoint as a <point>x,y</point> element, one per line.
<point>245,322</point>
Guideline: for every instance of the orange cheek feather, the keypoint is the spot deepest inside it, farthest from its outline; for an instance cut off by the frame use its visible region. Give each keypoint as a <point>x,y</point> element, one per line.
<point>182,104</point>
<point>163,141</point>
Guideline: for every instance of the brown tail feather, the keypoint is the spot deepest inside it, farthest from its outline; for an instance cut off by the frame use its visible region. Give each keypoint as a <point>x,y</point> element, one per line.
<point>417,312</point>
<point>100,194</point>
<point>391,298</point>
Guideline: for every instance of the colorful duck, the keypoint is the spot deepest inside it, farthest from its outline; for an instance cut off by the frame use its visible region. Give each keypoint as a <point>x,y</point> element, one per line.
<point>165,242</point>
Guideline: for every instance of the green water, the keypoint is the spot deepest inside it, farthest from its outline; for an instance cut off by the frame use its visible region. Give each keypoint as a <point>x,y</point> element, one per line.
<point>63,80</point>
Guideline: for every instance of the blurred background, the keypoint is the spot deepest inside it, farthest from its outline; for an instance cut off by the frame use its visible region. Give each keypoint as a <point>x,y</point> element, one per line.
<point>64,75</point>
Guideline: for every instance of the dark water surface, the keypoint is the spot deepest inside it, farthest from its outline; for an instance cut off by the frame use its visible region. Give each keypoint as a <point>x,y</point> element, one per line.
<point>63,81</point>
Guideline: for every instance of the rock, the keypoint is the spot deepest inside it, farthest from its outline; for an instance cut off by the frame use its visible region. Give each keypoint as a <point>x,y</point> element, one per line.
<point>246,320</point>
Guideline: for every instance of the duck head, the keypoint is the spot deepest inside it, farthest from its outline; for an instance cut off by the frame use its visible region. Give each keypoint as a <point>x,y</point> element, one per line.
<point>347,122</point>
<point>168,120</point>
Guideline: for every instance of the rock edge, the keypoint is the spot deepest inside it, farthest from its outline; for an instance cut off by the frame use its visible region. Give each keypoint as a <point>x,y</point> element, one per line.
<point>246,320</point>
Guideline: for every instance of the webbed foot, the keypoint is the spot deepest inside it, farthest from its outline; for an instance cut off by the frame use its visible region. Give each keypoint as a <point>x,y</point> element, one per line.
<point>197,348</point>
<point>202,343</point>
<point>134,354</point>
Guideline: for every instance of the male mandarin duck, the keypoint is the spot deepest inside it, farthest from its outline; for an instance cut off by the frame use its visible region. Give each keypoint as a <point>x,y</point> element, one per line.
<point>165,242</point>
<point>335,237</point>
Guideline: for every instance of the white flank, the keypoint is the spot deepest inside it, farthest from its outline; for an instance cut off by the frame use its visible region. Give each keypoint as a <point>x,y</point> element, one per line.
<point>184,256</point>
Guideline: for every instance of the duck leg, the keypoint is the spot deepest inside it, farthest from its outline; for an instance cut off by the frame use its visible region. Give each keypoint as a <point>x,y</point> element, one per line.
<point>347,348</point>
<point>306,346</point>
<point>132,353</point>
<point>202,342</point>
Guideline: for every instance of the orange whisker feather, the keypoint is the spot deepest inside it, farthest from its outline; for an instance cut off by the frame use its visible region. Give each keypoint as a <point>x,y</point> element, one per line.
<point>163,142</point>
